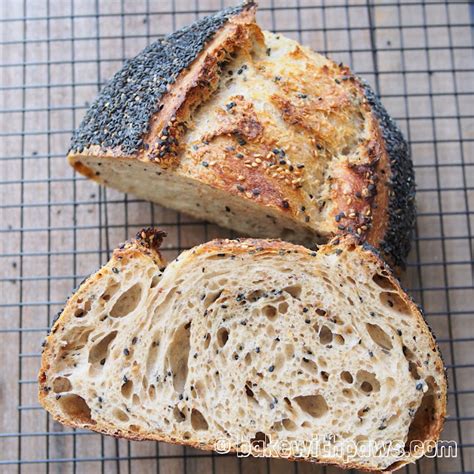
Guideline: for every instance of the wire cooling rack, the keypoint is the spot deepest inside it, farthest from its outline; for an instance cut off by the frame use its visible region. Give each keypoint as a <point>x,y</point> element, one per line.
<point>57,227</point>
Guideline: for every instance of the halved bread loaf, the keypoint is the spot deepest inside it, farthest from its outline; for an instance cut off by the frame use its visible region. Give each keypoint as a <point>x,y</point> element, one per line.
<point>259,346</point>
<point>254,132</point>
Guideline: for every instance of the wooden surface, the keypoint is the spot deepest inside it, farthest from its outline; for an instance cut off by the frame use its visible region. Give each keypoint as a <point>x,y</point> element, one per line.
<point>56,227</point>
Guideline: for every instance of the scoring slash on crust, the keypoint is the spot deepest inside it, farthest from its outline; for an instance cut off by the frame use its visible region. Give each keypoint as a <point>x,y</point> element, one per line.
<point>254,132</point>
<point>259,343</point>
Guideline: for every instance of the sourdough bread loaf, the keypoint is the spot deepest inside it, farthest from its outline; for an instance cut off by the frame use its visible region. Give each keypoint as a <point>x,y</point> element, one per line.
<point>259,346</point>
<point>252,131</point>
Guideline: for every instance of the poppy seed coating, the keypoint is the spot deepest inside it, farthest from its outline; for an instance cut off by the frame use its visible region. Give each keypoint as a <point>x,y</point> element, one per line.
<point>120,115</point>
<point>401,210</point>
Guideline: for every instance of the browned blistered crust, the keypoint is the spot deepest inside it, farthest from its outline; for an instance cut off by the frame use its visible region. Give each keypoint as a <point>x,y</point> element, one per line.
<point>329,121</point>
<point>146,246</point>
<point>193,87</point>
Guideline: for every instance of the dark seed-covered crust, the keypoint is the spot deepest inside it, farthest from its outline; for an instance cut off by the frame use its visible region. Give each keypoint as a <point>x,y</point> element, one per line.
<point>121,114</point>
<point>401,211</point>
<point>165,114</point>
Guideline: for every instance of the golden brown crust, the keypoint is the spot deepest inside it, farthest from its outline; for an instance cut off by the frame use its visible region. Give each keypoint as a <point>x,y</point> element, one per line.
<point>193,87</point>
<point>334,173</point>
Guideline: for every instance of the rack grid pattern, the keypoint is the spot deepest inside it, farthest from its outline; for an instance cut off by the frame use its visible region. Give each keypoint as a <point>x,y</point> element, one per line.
<point>56,227</point>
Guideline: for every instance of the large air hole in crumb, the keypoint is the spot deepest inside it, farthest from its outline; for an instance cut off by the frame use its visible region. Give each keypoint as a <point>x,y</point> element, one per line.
<point>61,384</point>
<point>99,351</point>
<point>248,390</point>
<point>379,336</point>
<point>76,339</point>
<point>367,381</point>
<point>83,309</point>
<point>270,312</point>
<point>325,335</point>
<point>127,302</point>
<point>395,302</point>
<point>198,422</point>
<point>179,416</point>
<point>294,291</point>
<point>283,307</point>
<point>383,282</point>
<point>288,424</point>
<point>313,405</point>
<point>347,376</point>
<point>178,353</point>
<point>153,353</point>
<point>127,388</point>
<point>222,337</point>
<point>412,367</point>
<point>120,415</point>
<point>155,280</point>
<point>413,363</point>
<point>200,388</point>
<point>75,407</point>
<point>260,440</point>
<point>255,295</point>
<point>212,297</point>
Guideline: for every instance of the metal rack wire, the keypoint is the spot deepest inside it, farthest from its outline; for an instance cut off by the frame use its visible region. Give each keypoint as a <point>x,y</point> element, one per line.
<point>57,227</point>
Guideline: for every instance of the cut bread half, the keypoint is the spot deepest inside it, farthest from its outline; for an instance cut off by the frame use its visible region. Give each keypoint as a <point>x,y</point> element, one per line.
<point>255,132</point>
<point>256,346</point>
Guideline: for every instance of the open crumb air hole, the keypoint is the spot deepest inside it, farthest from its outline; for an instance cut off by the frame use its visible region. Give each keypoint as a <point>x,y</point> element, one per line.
<point>367,382</point>
<point>75,407</point>
<point>178,354</point>
<point>61,384</point>
<point>127,302</point>
<point>395,302</point>
<point>99,351</point>
<point>379,336</point>
<point>313,405</point>
<point>198,422</point>
<point>83,308</point>
<point>222,337</point>
<point>383,282</point>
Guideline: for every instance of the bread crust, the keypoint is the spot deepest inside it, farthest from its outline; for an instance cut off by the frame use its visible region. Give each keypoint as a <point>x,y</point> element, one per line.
<point>146,246</point>
<point>372,196</point>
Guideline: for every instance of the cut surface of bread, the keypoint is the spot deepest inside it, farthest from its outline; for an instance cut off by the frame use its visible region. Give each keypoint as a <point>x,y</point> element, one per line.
<point>252,131</point>
<point>265,346</point>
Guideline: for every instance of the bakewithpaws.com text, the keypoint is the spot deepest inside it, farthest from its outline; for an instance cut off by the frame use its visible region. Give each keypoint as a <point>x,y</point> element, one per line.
<point>327,448</point>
